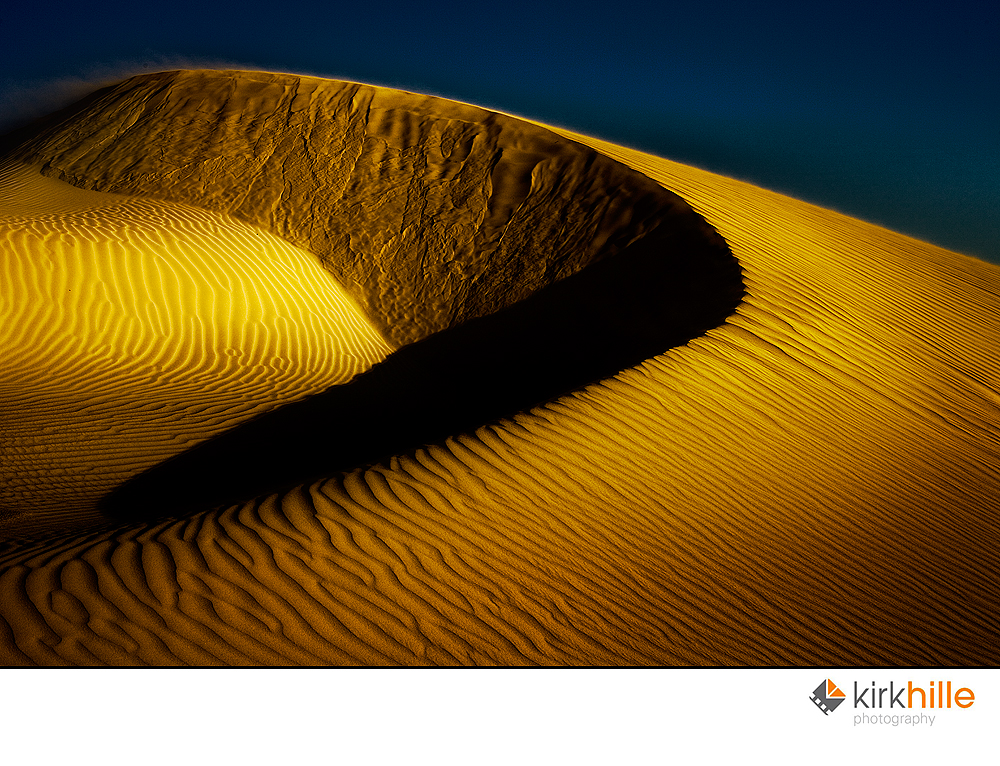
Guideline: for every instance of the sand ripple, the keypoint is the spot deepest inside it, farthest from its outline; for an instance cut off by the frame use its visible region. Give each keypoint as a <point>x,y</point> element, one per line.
<point>133,328</point>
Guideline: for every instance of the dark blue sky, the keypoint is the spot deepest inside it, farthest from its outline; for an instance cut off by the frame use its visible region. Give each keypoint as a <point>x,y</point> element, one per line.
<point>889,111</point>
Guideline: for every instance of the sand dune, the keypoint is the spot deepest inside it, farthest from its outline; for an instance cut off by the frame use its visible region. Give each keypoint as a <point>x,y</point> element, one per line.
<point>809,478</point>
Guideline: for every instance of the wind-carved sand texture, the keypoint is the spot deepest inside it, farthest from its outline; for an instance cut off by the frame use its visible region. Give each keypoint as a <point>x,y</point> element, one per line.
<point>805,472</point>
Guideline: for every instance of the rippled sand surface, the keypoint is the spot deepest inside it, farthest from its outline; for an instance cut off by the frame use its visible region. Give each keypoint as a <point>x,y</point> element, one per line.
<point>811,478</point>
<point>132,328</point>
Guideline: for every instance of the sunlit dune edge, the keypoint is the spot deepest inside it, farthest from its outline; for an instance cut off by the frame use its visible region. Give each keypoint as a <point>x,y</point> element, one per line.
<point>812,482</point>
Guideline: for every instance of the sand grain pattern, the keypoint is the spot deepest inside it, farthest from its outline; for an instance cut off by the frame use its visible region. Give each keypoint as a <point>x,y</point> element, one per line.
<point>812,481</point>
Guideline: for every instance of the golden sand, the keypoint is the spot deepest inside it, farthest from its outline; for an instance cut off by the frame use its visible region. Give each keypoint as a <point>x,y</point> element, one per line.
<point>812,481</point>
<point>133,328</point>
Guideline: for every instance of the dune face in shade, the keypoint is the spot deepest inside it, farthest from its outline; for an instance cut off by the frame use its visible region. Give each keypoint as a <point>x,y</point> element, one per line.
<point>809,479</point>
<point>422,208</point>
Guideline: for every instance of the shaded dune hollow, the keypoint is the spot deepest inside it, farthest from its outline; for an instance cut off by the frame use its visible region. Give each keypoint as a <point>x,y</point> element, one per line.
<point>302,372</point>
<point>508,265</point>
<point>428,212</point>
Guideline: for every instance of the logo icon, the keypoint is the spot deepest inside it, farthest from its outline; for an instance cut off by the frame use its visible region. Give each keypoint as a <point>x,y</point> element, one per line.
<point>827,696</point>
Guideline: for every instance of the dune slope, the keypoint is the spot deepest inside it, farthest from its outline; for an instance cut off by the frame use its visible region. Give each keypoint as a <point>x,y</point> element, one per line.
<point>812,481</point>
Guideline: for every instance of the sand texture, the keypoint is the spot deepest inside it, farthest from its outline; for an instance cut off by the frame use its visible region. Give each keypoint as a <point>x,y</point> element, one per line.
<point>132,328</point>
<point>305,372</point>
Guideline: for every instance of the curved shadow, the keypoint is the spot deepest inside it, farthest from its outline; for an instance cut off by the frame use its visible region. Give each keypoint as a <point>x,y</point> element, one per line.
<point>673,284</point>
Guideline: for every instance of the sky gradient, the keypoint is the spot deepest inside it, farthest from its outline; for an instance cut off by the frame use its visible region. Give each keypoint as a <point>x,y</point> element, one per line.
<point>888,112</point>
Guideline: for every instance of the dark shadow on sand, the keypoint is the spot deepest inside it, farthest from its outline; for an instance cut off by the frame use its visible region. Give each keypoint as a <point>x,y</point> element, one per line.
<point>670,286</point>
